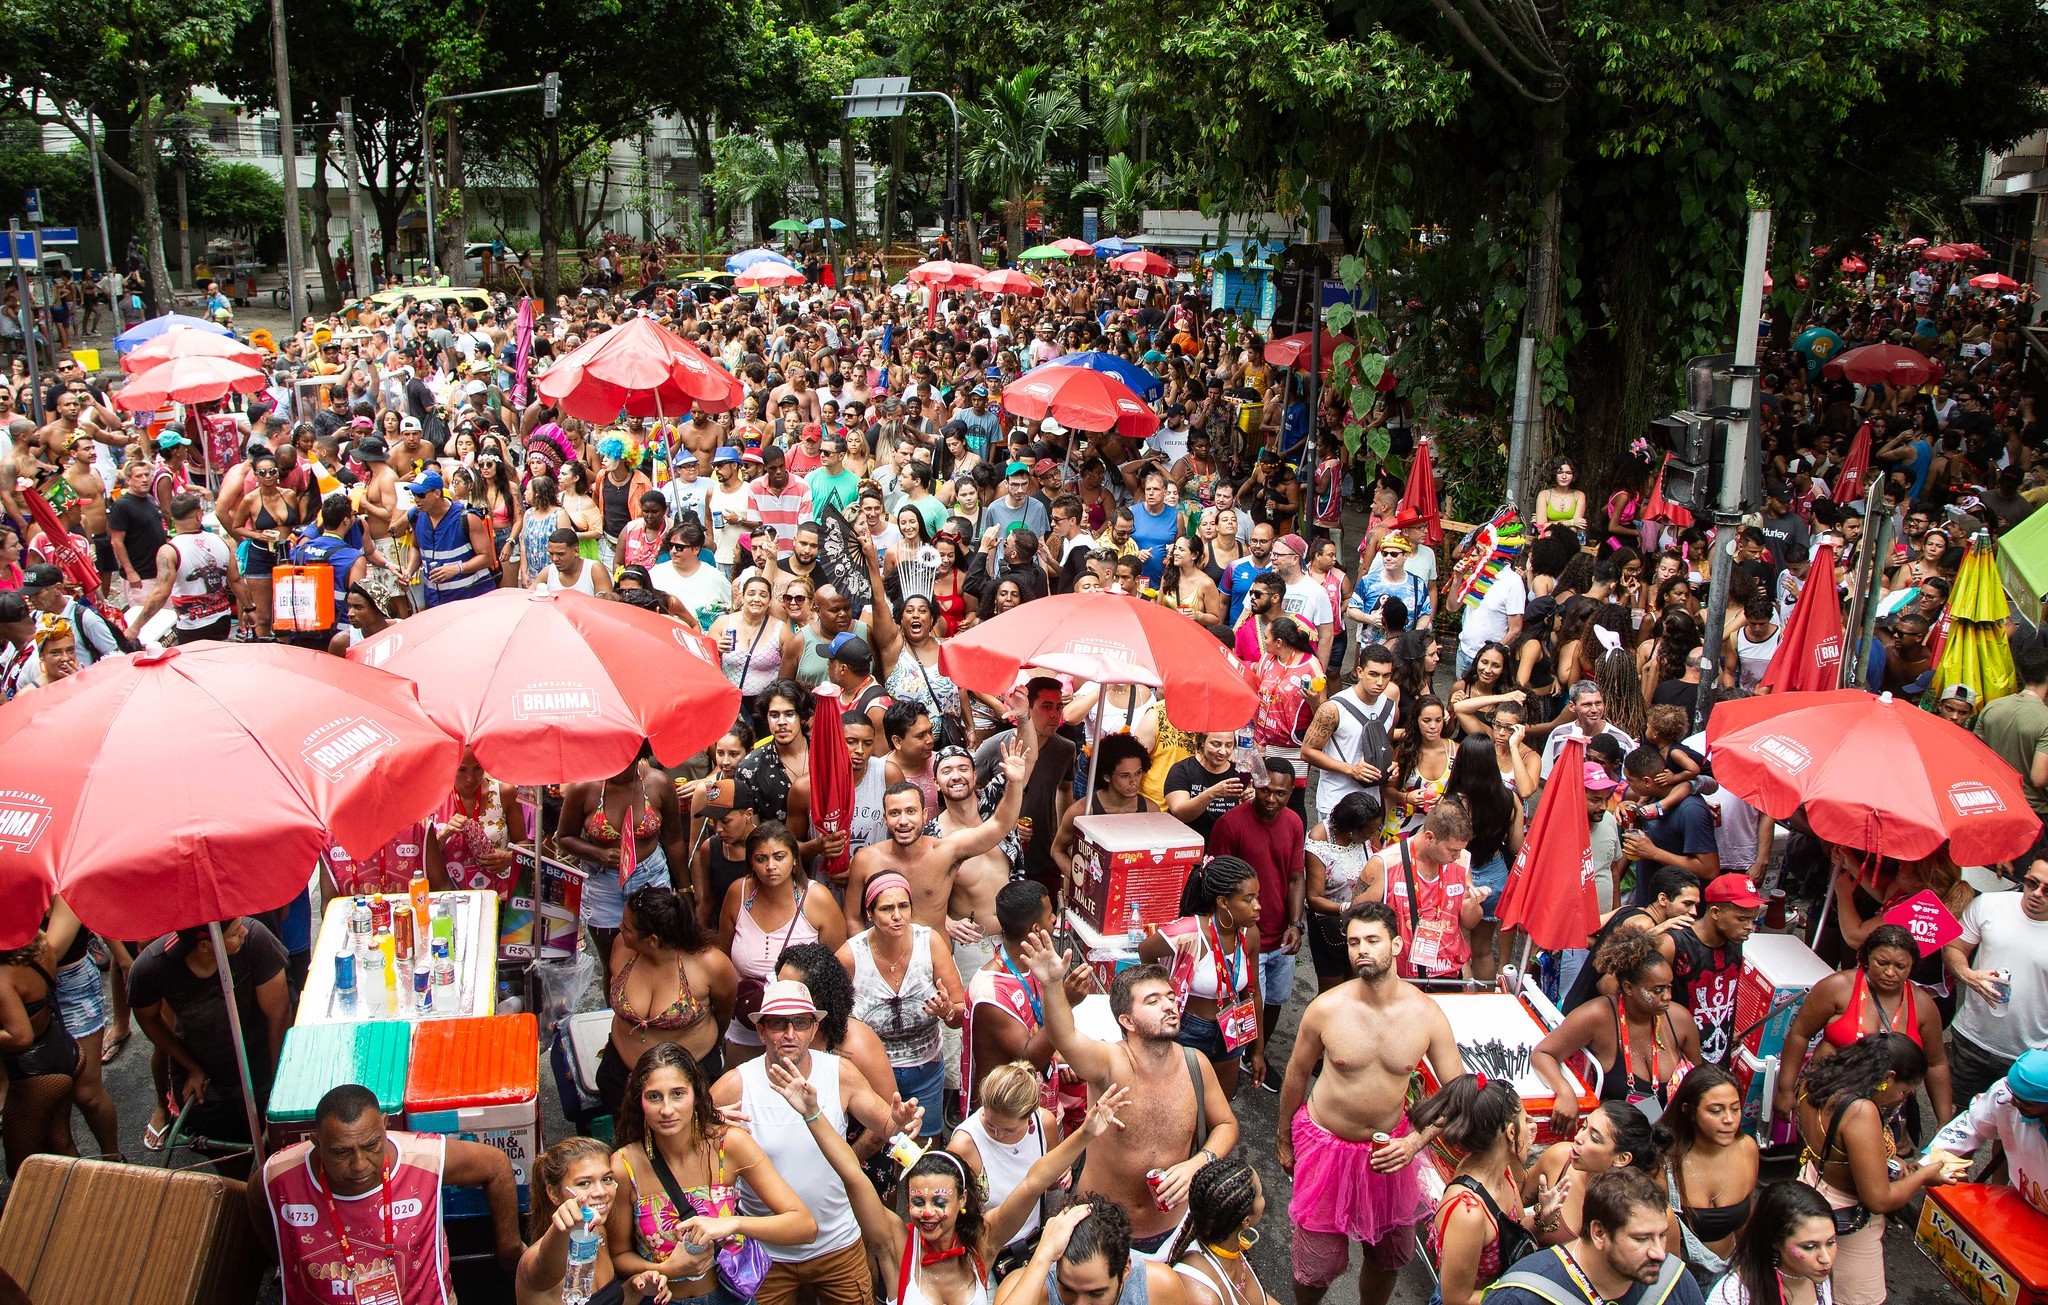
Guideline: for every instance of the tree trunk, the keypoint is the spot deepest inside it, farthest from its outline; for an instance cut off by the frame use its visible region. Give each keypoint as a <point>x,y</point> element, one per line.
<point>1539,314</point>
<point>700,145</point>
<point>547,197</point>
<point>184,223</point>
<point>144,140</point>
<point>896,132</point>
<point>1013,222</point>
<point>322,206</point>
<point>847,196</point>
<point>453,219</point>
<point>824,200</point>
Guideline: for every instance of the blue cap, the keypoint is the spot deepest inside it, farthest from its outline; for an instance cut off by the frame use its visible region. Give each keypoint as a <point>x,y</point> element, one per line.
<point>2028,1077</point>
<point>427,483</point>
<point>726,453</point>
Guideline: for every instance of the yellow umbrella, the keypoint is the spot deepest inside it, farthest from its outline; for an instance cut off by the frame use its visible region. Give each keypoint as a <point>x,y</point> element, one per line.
<point>1976,652</point>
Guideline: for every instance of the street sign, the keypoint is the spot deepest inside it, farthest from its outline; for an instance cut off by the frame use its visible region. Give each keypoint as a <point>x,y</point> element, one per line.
<point>32,200</point>
<point>876,97</point>
<point>24,251</point>
<point>60,235</point>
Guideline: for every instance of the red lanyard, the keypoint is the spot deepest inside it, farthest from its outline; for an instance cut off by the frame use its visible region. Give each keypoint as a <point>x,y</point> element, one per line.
<point>1628,1067</point>
<point>384,1211</point>
<point>1236,969</point>
<point>476,813</point>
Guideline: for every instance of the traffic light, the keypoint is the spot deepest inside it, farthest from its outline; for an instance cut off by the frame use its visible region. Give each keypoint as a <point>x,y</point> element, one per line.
<point>1698,440</point>
<point>551,95</point>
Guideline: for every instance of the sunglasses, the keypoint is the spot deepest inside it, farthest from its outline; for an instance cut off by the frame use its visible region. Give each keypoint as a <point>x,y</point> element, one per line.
<point>270,474</point>
<point>795,1023</point>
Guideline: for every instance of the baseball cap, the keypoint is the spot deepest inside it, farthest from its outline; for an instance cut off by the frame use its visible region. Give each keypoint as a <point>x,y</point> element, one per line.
<point>813,430</point>
<point>850,648</point>
<point>1598,780</point>
<point>1960,693</point>
<point>372,448</point>
<point>979,392</point>
<point>409,423</point>
<point>786,401</point>
<point>427,484</point>
<point>786,997</point>
<point>1044,467</point>
<point>1778,489</point>
<point>1293,543</point>
<point>39,577</point>
<point>1176,410</point>
<point>1017,469</point>
<point>726,453</point>
<point>1732,890</point>
<point>475,388</point>
<point>728,795</point>
<point>171,439</point>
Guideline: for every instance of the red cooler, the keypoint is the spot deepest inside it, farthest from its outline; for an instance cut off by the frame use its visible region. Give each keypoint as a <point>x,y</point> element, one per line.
<point>1992,1245</point>
<point>1142,857</point>
<point>478,1079</point>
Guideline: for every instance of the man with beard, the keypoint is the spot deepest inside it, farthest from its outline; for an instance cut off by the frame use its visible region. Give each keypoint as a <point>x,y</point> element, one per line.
<point>1619,1257</point>
<point>1370,1033</point>
<point>930,861</point>
<point>1187,1121</point>
<point>834,1263</point>
<point>971,913</point>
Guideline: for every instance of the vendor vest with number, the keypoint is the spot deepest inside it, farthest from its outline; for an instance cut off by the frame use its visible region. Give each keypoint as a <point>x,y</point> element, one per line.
<point>314,1269</point>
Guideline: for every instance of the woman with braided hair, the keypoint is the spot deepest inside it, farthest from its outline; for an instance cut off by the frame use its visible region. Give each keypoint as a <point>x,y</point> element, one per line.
<point>941,1249</point>
<point>1212,955</point>
<point>1225,1203</point>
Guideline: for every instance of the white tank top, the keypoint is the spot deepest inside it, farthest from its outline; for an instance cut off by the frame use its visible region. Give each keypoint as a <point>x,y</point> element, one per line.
<point>787,1142</point>
<point>1004,1164</point>
<point>1755,658</point>
<point>551,580</point>
<point>908,1034</point>
<point>1334,786</point>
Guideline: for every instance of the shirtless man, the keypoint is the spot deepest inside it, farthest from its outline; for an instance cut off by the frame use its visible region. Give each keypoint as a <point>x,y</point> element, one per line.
<point>1175,1132</point>
<point>1370,1033</point>
<point>701,435</point>
<point>87,511</point>
<point>971,912</point>
<point>930,863</point>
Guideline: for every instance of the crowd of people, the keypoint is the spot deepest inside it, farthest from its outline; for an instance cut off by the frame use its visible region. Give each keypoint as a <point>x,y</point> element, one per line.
<point>820,1083</point>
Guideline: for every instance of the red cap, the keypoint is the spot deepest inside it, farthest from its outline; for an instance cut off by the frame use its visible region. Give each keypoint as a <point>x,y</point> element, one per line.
<point>1732,890</point>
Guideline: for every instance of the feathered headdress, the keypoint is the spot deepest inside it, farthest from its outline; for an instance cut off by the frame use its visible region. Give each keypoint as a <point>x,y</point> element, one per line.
<point>1491,549</point>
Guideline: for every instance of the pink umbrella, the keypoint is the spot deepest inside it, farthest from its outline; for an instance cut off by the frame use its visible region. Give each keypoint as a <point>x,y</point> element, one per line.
<point>1942,254</point>
<point>195,378</point>
<point>1143,262</point>
<point>1917,242</point>
<point>189,344</point>
<point>1854,266</point>
<point>942,272</point>
<point>1074,248</point>
<point>641,367</point>
<point>765,275</point>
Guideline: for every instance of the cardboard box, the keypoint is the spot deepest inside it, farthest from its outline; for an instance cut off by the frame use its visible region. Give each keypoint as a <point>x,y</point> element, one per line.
<point>541,920</point>
<point>1988,1241</point>
<point>77,1230</point>
<point>1120,859</point>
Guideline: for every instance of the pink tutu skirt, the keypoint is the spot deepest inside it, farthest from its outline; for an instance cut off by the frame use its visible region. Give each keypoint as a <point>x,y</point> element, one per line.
<point>1336,1190</point>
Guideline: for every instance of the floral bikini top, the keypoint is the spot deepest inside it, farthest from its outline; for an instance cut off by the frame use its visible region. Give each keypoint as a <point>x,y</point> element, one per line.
<point>658,1225</point>
<point>682,1013</point>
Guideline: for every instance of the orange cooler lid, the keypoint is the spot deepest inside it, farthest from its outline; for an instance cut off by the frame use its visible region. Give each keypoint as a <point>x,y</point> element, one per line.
<point>493,1060</point>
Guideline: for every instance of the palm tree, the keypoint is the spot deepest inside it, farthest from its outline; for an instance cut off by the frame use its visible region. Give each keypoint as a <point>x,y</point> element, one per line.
<point>1125,191</point>
<point>1011,133</point>
<point>758,173</point>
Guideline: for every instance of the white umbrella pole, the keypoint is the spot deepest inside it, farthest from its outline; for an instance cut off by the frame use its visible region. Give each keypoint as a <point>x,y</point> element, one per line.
<point>1820,921</point>
<point>227,992</point>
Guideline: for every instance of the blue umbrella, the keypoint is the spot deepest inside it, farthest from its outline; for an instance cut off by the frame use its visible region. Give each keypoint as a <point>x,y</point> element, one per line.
<point>156,326</point>
<point>746,258</point>
<point>1143,383</point>
<point>818,224</point>
<point>1115,245</point>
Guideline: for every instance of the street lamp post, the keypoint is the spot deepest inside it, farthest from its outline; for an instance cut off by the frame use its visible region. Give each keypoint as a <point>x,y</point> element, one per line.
<point>883,97</point>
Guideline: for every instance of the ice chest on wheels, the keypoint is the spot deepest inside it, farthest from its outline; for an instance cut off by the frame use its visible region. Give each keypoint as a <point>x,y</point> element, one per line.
<point>1777,969</point>
<point>1143,857</point>
<point>1480,1019</point>
<point>319,1057</point>
<point>1992,1245</point>
<point>478,1079</point>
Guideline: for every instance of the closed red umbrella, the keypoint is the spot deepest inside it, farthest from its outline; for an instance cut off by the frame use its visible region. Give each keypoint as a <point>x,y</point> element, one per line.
<point>1074,248</point>
<point>1993,281</point>
<point>561,687</point>
<point>642,368</point>
<point>831,776</point>
<point>1549,894</point>
<point>1850,483</point>
<point>1080,399</point>
<point>1809,656</point>
<point>1873,773</point>
<point>1418,499</point>
<point>1884,364</point>
<point>944,272</point>
<point>1111,639</point>
<point>1143,262</point>
<point>165,790</point>
<point>70,552</point>
<point>189,344</point>
<point>194,378</point>
<point>1009,281</point>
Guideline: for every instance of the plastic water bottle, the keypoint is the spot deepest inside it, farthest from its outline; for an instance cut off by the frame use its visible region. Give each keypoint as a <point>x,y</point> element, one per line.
<point>579,1280</point>
<point>359,930</point>
<point>1134,925</point>
<point>1245,758</point>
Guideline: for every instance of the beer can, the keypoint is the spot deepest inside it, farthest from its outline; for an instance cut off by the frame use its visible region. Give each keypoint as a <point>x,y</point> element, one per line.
<point>1379,1140</point>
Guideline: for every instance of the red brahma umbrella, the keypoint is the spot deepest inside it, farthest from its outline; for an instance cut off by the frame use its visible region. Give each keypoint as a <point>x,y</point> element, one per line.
<point>1080,399</point>
<point>1008,281</point>
<point>1884,364</point>
<point>189,344</point>
<point>765,275</point>
<point>1993,281</point>
<point>560,687</point>
<point>1142,262</point>
<point>191,378</point>
<point>1809,656</point>
<point>944,272</point>
<point>641,367</point>
<point>1074,248</point>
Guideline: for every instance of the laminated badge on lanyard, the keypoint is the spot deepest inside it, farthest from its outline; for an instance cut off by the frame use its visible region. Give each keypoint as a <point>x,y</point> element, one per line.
<point>369,1285</point>
<point>1239,1020</point>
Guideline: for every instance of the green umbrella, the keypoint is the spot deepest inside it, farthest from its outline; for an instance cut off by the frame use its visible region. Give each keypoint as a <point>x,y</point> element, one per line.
<point>1039,252</point>
<point>787,224</point>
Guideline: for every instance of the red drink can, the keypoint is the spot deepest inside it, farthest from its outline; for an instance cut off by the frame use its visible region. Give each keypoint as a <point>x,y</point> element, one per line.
<point>380,914</point>
<point>401,934</point>
<point>1155,1179</point>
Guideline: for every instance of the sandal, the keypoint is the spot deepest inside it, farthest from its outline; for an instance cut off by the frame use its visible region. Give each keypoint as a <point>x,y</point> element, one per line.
<point>154,1136</point>
<point>112,1051</point>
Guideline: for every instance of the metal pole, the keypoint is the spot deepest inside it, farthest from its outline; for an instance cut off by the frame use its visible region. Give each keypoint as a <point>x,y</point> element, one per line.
<point>427,182</point>
<point>28,317</point>
<point>1312,395</point>
<point>1735,458</point>
<point>99,195</point>
<point>358,229</point>
<point>1525,415</point>
<point>294,248</point>
<point>227,993</point>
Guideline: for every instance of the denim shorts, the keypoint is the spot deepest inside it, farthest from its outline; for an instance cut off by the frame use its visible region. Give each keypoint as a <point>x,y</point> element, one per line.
<point>82,998</point>
<point>1276,976</point>
<point>1493,874</point>
<point>1203,1035</point>
<point>604,901</point>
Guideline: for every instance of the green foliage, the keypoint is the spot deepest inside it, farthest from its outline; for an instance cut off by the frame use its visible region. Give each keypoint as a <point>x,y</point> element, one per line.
<point>237,196</point>
<point>64,178</point>
<point>1011,133</point>
<point>1126,190</point>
